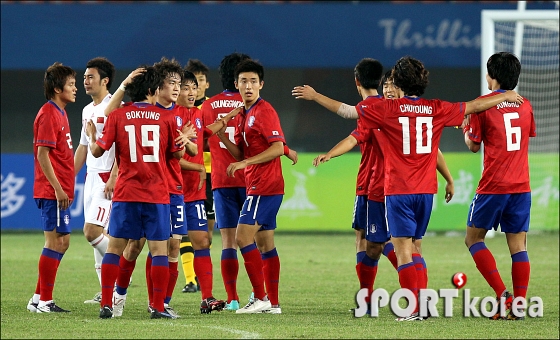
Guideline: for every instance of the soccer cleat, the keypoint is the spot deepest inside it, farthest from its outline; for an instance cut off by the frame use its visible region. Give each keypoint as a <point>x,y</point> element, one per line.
<point>257,306</point>
<point>211,304</point>
<point>95,299</point>
<point>106,312</point>
<point>31,306</point>
<point>273,310</point>
<point>51,308</point>
<point>233,305</point>
<point>509,300</point>
<point>252,297</point>
<point>512,317</point>
<point>169,310</point>
<point>160,315</point>
<point>150,309</point>
<point>412,317</point>
<point>190,288</point>
<point>118,304</point>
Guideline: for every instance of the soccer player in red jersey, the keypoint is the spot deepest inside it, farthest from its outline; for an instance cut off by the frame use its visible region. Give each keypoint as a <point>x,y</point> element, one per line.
<point>229,192</point>
<point>412,127</point>
<point>194,190</point>
<point>53,188</point>
<point>144,136</point>
<point>201,73</point>
<point>503,196</point>
<point>259,144</point>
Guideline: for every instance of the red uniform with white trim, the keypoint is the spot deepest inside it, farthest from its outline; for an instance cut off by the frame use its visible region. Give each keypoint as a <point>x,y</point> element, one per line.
<point>413,128</point>
<point>256,129</point>
<point>51,129</point>
<point>505,130</point>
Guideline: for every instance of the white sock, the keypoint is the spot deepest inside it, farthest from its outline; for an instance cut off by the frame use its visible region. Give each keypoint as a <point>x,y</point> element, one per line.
<point>99,248</point>
<point>36,298</point>
<point>44,303</point>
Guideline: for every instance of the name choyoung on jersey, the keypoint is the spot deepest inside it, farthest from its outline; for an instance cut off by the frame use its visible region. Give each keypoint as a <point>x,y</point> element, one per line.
<point>420,109</point>
<point>142,115</point>
<point>226,103</point>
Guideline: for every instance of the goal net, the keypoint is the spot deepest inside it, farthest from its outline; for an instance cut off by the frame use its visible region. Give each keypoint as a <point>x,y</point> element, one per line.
<point>532,35</point>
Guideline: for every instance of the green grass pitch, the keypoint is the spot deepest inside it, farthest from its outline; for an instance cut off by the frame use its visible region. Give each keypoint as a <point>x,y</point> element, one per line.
<point>317,288</point>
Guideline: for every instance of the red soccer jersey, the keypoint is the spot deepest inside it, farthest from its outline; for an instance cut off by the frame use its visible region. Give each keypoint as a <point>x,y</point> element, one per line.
<point>413,128</point>
<point>505,130</point>
<point>174,177</point>
<point>51,129</point>
<point>212,109</point>
<point>256,130</point>
<point>191,179</point>
<point>144,136</point>
<point>366,163</point>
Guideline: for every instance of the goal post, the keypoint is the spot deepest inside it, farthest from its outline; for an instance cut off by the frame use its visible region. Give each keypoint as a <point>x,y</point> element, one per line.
<point>532,35</point>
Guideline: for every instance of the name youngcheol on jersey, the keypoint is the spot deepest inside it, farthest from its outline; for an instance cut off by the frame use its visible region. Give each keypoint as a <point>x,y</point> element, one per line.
<point>226,103</point>
<point>420,109</point>
<point>142,115</point>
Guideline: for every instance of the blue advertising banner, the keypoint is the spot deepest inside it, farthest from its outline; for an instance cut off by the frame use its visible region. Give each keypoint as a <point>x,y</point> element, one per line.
<point>18,206</point>
<point>303,35</point>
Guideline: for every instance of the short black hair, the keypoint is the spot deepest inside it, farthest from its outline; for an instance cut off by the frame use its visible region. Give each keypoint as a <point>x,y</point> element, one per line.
<point>387,76</point>
<point>105,68</point>
<point>189,76</point>
<point>368,72</point>
<point>227,68</point>
<point>411,76</point>
<point>505,68</point>
<point>144,84</point>
<point>56,76</point>
<point>250,65</point>
<point>197,67</point>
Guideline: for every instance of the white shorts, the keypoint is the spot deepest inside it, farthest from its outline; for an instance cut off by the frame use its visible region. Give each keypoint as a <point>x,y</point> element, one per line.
<point>97,208</point>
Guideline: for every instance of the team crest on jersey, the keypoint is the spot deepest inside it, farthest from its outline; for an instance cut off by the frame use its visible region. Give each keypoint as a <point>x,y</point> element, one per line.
<point>198,123</point>
<point>275,133</point>
<point>179,121</point>
<point>372,228</point>
<point>67,219</point>
<point>251,121</point>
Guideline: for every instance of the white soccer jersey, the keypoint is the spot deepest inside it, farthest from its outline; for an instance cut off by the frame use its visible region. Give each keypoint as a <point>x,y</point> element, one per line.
<point>97,114</point>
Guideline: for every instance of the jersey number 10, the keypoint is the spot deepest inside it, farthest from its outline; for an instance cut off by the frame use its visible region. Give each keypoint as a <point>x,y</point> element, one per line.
<point>421,147</point>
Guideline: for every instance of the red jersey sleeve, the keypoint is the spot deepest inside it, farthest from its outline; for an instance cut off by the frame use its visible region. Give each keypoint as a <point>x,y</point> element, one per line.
<point>47,129</point>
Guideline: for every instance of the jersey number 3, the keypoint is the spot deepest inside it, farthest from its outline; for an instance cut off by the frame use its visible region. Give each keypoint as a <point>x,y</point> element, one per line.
<point>150,139</point>
<point>422,147</point>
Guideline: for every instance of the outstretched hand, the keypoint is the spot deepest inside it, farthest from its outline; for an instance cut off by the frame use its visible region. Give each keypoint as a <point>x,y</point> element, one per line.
<point>304,92</point>
<point>321,159</point>
<point>132,75</point>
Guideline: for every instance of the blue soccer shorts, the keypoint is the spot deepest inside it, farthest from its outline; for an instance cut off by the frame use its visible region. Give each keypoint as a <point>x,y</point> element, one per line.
<point>177,214</point>
<point>359,216</point>
<point>196,216</point>
<point>53,218</point>
<point>228,203</point>
<point>376,230</point>
<point>261,210</point>
<point>408,215</point>
<point>134,220</point>
<point>510,211</point>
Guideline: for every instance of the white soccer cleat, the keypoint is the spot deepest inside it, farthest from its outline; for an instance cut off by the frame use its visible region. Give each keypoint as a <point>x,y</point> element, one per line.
<point>413,317</point>
<point>273,310</point>
<point>32,307</point>
<point>95,299</point>
<point>118,304</point>
<point>257,306</point>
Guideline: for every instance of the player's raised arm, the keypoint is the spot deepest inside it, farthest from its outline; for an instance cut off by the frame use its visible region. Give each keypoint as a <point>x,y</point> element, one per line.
<point>481,104</point>
<point>118,96</point>
<point>341,148</point>
<point>308,93</point>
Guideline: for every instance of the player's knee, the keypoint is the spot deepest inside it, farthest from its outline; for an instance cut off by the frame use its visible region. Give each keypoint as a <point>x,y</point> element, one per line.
<point>374,250</point>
